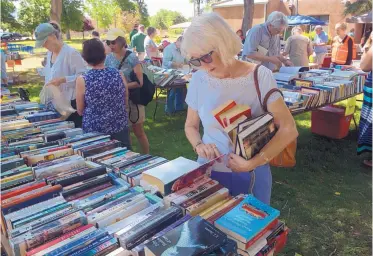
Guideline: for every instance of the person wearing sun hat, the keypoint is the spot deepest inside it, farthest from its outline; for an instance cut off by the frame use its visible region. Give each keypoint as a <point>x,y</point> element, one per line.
<point>126,61</point>
<point>63,65</point>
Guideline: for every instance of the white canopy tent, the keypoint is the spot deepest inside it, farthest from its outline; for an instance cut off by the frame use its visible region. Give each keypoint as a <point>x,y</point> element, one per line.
<point>181,25</point>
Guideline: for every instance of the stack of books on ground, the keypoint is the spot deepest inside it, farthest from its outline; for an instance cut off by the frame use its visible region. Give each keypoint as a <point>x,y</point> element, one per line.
<point>248,135</point>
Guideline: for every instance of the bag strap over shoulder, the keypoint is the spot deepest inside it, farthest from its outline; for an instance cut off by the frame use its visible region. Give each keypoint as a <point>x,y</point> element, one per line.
<point>124,58</point>
<point>269,93</point>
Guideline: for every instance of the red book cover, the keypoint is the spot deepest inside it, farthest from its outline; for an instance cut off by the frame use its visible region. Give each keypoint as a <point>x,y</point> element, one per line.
<point>281,240</point>
<point>21,200</point>
<point>229,120</point>
<point>23,190</point>
<point>272,225</point>
<point>58,240</point>
<point>223,108</point>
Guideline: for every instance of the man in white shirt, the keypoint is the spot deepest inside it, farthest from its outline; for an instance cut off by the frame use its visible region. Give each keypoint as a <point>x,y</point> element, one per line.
<point>63,65</point>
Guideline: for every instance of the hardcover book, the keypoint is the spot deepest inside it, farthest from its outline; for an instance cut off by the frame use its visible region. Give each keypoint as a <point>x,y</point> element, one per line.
<point>164,176</point>
<point>247,219</point>
<point>254,137</point>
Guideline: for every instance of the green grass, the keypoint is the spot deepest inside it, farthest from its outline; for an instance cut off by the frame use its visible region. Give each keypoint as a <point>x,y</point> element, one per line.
<point>325,200</point>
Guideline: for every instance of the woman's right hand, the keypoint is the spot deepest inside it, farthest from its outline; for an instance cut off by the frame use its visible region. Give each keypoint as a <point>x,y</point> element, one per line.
<point>208,151</point>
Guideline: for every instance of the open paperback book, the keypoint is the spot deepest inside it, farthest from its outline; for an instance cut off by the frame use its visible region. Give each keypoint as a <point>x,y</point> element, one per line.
<point>286,74</point>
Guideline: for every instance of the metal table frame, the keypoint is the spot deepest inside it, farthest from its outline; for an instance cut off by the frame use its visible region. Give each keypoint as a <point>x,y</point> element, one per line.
<point>159,90</point>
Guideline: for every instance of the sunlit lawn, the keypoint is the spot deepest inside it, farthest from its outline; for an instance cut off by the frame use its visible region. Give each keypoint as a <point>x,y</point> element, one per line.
<point>325,200</point>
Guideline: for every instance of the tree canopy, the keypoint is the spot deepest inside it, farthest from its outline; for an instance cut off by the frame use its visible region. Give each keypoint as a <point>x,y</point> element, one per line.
<point>7,18</point>
<point>357,8</point>
<point>32,13</point>
<point>163,19</point>
<point>72,15</point>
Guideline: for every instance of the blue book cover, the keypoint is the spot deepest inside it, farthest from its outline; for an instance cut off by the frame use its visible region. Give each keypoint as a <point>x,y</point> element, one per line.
<point>247,219</point>
<point>32,201</point>
<point>78,244</point>
<point>84,250</point>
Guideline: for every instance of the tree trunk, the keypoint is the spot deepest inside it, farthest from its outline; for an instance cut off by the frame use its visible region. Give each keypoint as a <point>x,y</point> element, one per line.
<point>197,7</point>
<point>68,36</point>
<point>56,10</point>
<point>248,15</point>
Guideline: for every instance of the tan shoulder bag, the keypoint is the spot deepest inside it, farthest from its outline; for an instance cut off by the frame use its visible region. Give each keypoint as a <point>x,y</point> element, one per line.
<point>287,157</point>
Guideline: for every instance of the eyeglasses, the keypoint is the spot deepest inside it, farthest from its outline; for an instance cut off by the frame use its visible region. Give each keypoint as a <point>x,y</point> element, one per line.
<point>205,59</point>
<point>108,42</point>
<point>55,26</point>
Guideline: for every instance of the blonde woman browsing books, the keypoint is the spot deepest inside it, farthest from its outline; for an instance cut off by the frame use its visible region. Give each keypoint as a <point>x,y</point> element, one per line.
<point>221,78</point>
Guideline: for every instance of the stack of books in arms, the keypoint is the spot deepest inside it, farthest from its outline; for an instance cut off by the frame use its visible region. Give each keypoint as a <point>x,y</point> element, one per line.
<point>85,194</point>
<point>320,87</point>
<point>248,135</point>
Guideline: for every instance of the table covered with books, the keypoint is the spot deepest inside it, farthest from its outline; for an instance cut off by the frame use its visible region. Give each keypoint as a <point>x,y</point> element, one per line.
<point>65,192</point>
<point>308,89</point>
<point>165,80</point>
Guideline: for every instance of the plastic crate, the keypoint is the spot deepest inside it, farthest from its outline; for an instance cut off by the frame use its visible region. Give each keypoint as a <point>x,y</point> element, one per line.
<point>331,122</point>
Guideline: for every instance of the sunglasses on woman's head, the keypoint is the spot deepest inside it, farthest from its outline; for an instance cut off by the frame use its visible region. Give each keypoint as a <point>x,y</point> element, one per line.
<point>108,42</point>
<point>205,59</point>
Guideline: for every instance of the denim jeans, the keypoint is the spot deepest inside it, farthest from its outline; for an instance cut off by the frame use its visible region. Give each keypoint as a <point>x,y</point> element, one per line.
<point>257,182</point>
<point>175,100</point>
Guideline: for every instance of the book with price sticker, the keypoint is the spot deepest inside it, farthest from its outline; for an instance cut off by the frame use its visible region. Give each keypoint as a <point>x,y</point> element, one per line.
<point>247,219</point>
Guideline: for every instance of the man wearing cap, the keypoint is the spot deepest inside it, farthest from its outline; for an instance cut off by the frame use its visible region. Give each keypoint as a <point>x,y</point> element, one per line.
<point>137,42</point>
<point>63,65</point>
<point>320,41</point>
<point>134,31</point>
<point>172,58</point>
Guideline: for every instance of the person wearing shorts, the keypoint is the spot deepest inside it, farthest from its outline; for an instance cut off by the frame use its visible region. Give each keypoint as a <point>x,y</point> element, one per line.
<point>115,39</point>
